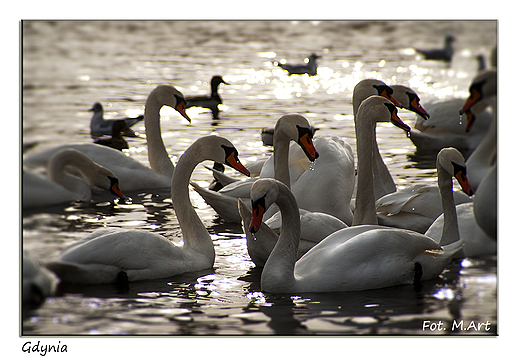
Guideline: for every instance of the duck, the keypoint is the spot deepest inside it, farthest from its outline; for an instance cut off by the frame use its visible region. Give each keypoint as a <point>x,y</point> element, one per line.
<point>117,255</point>
<point>38,282</point>
<point>210,102</point>
<point>310,68</point>
<point>60,187</point>
<point>133,174</point>
<point>117,140</point>
<point>440,54</point>
<point>483,93</point>
<point>356,258</point>
<point>99,126</point>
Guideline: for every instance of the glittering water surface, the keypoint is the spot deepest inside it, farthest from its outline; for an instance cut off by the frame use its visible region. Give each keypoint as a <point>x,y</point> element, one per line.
<point>67,66</point>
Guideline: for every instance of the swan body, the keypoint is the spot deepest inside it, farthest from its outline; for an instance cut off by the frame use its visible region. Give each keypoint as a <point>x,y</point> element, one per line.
<point>99,126</point>
<point>38,282</point>
<point>370,259</point>
<point>210,102</point>
<point>133,174</point>
<point>116,140</point>
<point>483,93</point>
<point>112,255</point>
<point>441,54</point>
<point>476,242</point>
<point>62,187</point>
<point>310,68</point>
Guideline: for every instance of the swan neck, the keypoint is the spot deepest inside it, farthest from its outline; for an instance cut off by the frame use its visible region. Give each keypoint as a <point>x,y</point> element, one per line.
<point>78,186</point>
<point>450,229</point>
<point>281,159</point>
<point>194,232</point>
<point>365,210</point>
<point>157,156</point>
<point>278,271</point>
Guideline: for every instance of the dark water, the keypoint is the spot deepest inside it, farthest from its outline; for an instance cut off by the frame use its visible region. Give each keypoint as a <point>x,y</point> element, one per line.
<point>67,66</point>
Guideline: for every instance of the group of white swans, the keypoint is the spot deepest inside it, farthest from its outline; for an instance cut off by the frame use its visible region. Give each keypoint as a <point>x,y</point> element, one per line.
<point>322,233</point>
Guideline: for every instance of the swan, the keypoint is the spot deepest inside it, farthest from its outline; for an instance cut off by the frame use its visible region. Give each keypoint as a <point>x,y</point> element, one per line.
<point>99,126</point>
<point>212,101</point>
<point>39,191</point>
<point>483,93</point>
<point>116,140</point>
<point>133,174</point>
<point>440,54</point>
<point>414,207</point>
<point>38,282</point>
<point>309,68</point>
<point>120,255</point>
<point>288,127</point>
<point>351,259</point>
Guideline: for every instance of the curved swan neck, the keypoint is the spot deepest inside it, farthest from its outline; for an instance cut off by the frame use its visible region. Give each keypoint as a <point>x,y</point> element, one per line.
<point>365,210</point>
<point>279,268</point>
<point>450,229</point>
<point>194,232</point>
<point>73,184</point>
<point>487,149</point>
<point>157,156</point>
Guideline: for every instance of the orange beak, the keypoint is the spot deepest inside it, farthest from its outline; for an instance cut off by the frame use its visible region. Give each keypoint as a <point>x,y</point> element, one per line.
<point>464,184</point>
<point>474,97</point>
<point>308,147</point>
<point>233,161</point>
<point>419,109</point>
<point>256,219</point>
<point>385,94</point>
<point>396,120</point>
<point>181,108</point>
<point>116,191</point>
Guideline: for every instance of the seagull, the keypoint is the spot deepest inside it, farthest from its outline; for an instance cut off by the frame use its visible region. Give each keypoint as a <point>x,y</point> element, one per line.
<point>439,54</point>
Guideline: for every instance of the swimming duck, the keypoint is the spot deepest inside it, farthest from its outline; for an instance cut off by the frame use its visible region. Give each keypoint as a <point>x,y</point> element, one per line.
<point>212,101</point>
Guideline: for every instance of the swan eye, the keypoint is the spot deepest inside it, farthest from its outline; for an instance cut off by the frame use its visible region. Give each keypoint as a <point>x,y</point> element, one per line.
<point>232,160</point>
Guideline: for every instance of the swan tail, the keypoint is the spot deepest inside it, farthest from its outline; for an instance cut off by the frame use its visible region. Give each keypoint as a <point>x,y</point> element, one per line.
<point>434,261</point>
<point>259,245</point>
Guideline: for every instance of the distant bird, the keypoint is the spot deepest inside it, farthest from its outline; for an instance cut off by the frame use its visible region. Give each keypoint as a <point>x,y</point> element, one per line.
<point>210,102</point>
<point>310,68</point>
<point>439,54</point>
<point>116,141</point>
<point>99,126</point>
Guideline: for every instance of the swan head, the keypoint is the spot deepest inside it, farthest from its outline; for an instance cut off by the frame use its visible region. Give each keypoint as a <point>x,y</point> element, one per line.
<point>296,128</point>
<point>382,110</point>
<point>409,100</point>
<point>453,162</point>
<point>103,178</point>
<point>263,194</point>
<point>220,150</point>
<point>170,96</point>
<point>482,89</point>
<point>368,87</point>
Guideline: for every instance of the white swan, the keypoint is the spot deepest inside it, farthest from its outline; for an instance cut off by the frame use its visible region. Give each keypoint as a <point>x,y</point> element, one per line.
<point>351,259</point>
<point>483,93</point>
<point>61,187</point>
<point>485,203</point>
<point>289,127</point>
<point>415,207</point>
<point>115,255</point>
<point>38,283</point>
<point>99,126</point>
<point>132,173</point>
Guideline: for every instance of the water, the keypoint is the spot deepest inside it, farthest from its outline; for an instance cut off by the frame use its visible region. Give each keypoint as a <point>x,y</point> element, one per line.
<point>67,66</point>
